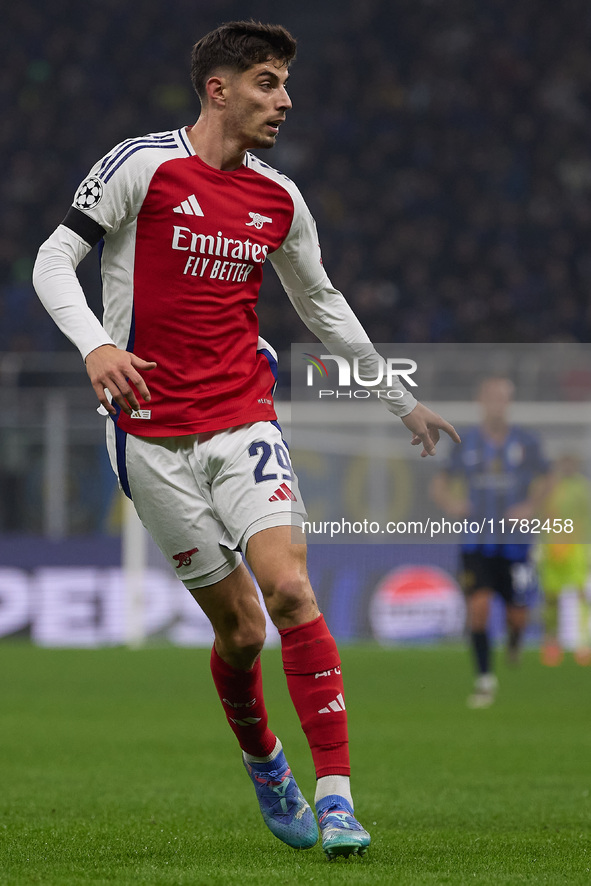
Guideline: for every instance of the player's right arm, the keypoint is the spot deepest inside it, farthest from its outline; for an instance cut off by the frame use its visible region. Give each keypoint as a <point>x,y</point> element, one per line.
<point>327,314</point>
<point>110,368</point>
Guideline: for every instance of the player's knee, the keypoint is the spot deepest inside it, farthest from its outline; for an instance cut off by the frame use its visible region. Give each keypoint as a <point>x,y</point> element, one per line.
<point>246,649</point>
<point>241,646</point>
<point>240,633</point>
<point>290,600</point>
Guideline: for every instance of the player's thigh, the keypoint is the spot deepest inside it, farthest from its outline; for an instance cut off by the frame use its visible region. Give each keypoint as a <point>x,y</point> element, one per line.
<point>174,505</point>
<point>276,552</point>
<point>477,573</point>
<point>277,557</point>
<point>253,484</point>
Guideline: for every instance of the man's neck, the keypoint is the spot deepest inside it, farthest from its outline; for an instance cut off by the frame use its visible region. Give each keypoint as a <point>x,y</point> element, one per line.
<point>496,430</point>
<point>213,148</point>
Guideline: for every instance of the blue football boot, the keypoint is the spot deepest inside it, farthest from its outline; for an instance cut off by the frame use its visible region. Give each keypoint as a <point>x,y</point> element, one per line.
<point>341,832</point>
<point>284,809</point>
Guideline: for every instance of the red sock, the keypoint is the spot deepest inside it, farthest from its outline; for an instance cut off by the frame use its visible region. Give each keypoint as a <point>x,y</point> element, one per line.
<point>241,694</point>
<point>313,669</point>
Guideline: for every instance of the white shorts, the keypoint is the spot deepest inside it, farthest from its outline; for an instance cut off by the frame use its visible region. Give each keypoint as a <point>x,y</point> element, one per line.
<point>202,496</point>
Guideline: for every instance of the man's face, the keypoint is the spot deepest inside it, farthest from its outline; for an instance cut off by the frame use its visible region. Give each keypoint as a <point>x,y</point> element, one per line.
<point>256,104</point>
<point>495,398</point>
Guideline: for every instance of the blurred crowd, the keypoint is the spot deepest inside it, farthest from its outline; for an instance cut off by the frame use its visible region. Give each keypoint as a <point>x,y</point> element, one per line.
<point>444,147</point>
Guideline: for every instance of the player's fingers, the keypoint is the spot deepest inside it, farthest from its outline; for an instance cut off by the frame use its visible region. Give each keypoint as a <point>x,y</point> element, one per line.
<point>451,431</point>
<point>434,434</point>
<point>140,363</point>
<point>119,389</point>
<point>99,390</point>
<point>428,445</point>
<point>136,379</point>
<point>448,428</point>
<point>125,395</point>
<point>124,403</point>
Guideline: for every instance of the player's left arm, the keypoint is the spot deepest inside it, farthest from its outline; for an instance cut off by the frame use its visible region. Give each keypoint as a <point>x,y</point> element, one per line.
<point>532,506</point>
<point>327,314</point>
<point>539,487</point>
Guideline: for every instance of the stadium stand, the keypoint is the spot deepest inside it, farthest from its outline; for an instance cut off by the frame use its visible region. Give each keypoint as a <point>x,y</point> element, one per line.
<point>442,146</point>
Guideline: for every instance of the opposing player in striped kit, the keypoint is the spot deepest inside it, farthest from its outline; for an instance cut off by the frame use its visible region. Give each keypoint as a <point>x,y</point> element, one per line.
<point>188,219</point>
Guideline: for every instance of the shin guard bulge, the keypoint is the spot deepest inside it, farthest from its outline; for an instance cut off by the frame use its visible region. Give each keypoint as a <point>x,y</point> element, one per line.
<point>241,694</point>
<point>313,670</point>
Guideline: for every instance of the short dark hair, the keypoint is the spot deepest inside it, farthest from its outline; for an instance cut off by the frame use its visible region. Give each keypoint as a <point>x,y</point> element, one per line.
<point>239,45</point>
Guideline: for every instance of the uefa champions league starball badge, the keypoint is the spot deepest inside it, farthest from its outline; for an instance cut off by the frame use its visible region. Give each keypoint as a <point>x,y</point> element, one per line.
<point>89,193</point>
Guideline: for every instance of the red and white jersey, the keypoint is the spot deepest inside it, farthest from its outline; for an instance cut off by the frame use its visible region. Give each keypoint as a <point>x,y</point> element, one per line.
<point>182,264</point>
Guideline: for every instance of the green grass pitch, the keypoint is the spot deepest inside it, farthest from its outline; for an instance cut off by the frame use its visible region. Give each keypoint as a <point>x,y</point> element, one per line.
<point>117,767</point>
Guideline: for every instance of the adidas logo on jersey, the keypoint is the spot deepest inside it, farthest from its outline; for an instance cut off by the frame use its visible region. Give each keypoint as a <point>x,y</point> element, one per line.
<point>334,706</point>
<point>283,493</point>
<point>190,206</point>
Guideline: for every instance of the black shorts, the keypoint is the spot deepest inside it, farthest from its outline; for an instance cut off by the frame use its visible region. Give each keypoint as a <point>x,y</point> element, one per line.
<point>507,578</point>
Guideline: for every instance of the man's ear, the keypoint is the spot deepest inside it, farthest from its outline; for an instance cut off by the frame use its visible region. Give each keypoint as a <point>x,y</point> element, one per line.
<point>216,89</point>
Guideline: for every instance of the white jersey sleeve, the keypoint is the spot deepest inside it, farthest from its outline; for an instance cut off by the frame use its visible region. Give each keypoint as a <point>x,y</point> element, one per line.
<point>101,204</point>
<point>106,203</point>
<point>324,309</point>
<point>113,191</point>
<point>58,288</point>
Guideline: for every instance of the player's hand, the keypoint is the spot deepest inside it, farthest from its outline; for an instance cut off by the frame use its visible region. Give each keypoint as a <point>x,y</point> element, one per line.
<point>111,369</point>
<point>425,426</point>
